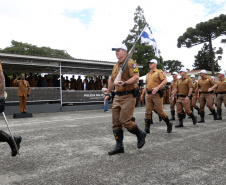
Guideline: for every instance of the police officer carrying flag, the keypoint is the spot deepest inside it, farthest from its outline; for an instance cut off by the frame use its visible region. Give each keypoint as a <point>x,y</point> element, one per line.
<point>124,100</point>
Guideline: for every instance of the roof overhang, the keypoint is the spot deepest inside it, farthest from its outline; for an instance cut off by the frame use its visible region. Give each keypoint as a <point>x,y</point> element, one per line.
<point>36,64</point>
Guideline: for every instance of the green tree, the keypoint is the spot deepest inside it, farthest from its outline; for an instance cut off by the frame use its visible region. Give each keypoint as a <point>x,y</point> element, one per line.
<point>204,32</point>
<point>172,66</point>
<point>203,57</point>
<point>28,49</point>
<point>143,53</point>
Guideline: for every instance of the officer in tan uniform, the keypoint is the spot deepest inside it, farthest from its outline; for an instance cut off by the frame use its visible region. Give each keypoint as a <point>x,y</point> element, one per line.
<point>220,93</point>
<point>206,96</point>
<point>173,85</point>
<point>4,137</point>
<point>23,92</point>
<point>155,80</point>
<point>124,100</point>
<point>148,122</point>
<point>194,94</point>
<point>184,90</point>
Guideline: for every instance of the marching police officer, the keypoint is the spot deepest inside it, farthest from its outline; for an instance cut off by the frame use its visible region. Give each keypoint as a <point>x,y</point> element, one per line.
<point>124,100</point>
<point>173,102</point>
<point>221,93</point>
<point>206,97</point>
<point>155,80</point>
<point>148,122</point>
<point>194,94</point>
<point>4,137</point>
<point>184,90</point>
<point>24,91</point>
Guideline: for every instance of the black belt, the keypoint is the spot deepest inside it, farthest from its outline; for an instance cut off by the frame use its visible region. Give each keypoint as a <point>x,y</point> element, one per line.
<point>179,95</point>
<point>149,92</point>
<point>221,92</point>
<point>124,93</point>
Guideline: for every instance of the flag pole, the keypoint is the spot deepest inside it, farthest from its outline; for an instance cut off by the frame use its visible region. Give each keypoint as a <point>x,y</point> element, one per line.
<point>129,56</point>
<point>14,142</point>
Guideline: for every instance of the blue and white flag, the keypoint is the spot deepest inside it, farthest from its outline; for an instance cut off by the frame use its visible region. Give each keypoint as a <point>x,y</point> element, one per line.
<point>147,37</point>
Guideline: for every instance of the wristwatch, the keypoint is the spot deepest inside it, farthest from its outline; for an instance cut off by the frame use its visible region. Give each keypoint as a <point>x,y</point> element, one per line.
<point>124,84</point>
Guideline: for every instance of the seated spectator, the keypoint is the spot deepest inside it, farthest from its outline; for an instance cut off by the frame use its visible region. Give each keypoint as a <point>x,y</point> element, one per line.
<point>72,81</point>
<point>68,87</point>
<point>98,84</point>
<point>79,83</point>
<point>64,86</point>
<point>33,82</point>
<point>39,81</point>
<point>85,85</point>
<point>56,82</point>
<point>44,82</point>
<point>91,84</point>
<point>51,84</point>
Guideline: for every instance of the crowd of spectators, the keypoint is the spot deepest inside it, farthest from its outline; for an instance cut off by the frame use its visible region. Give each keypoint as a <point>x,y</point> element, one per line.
<point>53,81</point>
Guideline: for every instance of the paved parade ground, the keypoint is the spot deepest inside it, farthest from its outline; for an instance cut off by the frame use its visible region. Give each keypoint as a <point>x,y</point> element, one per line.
<point>71,148</point>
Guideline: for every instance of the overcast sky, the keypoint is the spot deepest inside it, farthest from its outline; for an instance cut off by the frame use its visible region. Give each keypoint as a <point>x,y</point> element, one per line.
<point>88,29</point>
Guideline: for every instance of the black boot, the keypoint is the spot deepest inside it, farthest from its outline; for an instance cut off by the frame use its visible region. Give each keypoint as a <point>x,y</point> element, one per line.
<point>118,134</point>
<point>173,115</point>
<point>140,136</point>
<point>180,118</point>
<point>168,124</point>
<point>192,112</point>
<point>4,137</point>
<point>202,115</point>
<point>184,114</point>
<point>194,118</point>
<point>148,122</point>
<point>198,110</point>
<point>152,118</point>
<point>219,114</point>
<point>214,114</point>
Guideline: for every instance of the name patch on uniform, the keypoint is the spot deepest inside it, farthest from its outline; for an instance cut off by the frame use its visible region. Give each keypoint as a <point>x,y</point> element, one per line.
<point>134,66</point>
<point>135,71</point>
